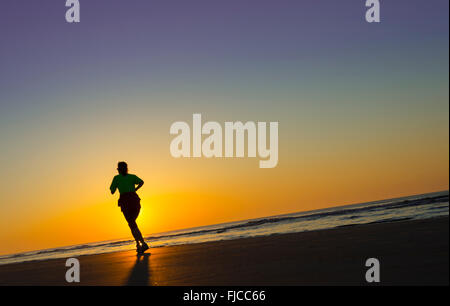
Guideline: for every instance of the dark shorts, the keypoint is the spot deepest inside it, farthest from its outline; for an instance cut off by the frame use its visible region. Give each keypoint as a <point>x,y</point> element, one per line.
<point>130,204</point>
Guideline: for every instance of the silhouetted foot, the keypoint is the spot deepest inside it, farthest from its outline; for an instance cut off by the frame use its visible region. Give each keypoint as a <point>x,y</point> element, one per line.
<point>144,247</point>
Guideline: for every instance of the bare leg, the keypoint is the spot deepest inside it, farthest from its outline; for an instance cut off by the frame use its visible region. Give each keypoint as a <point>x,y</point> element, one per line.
<point>138,237</point>
<point>137,234</point>
<point>140,243</point>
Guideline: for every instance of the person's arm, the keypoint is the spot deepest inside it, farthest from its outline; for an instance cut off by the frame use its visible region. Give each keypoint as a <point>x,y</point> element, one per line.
<point>113,186</point>
<point>139,183</point>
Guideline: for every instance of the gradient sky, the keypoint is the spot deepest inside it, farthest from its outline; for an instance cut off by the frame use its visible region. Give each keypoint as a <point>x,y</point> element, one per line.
<point>362,108</point>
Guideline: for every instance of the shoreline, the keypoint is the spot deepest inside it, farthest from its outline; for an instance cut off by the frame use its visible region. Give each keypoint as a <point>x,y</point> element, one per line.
<point>413,252</point>
<point>76,250</point>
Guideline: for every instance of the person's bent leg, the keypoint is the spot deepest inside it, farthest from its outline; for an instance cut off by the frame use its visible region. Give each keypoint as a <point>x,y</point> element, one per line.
<point>131,216</point>
<point>136,228</point>
<point>137,234</point>
<point>138,237</point>
<point>133,226</point>
<point>144,246</point>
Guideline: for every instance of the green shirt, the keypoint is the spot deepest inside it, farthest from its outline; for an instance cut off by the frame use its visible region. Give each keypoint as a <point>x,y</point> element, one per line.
<point>125,183</point>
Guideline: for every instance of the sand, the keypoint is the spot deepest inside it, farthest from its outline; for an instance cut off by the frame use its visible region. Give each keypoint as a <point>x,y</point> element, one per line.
<point>410,253</point>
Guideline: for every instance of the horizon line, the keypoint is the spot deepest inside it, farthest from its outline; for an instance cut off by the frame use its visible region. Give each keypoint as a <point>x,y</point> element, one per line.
<point>195,227</point>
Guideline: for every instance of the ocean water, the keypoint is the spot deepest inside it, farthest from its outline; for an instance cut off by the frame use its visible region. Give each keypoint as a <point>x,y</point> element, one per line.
<point>390,210</point>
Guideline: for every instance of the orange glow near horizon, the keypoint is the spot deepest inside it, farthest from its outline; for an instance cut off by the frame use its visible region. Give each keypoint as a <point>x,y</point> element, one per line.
<point>62,169</point>
<point>362,111</point>
<point>183,193</point>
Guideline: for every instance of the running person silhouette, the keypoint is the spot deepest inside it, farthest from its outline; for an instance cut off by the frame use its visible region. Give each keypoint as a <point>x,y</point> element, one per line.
<point>129,201</point>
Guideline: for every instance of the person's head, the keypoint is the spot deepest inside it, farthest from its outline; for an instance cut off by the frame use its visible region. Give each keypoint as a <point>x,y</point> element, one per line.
<point>122,167</point>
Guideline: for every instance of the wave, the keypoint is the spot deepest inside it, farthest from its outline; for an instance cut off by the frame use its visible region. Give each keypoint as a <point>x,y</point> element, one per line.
<point>314,216</point>
<point>68,249</point>
<point>381,209</point>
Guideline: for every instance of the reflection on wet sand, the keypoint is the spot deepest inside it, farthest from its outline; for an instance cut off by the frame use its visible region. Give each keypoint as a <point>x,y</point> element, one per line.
<point>140,273</point>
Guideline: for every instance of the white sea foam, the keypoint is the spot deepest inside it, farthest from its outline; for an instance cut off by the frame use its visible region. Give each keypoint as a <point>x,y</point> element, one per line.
<point>407,208</point>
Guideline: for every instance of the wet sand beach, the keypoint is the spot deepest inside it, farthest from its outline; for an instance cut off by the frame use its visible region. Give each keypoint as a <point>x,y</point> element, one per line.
<point>410,253</point>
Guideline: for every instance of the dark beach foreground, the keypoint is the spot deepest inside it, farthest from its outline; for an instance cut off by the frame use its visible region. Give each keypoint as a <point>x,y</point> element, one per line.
<point>410,253</point>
